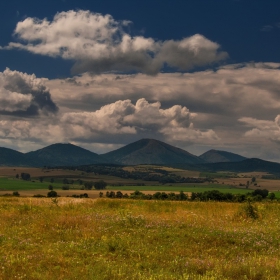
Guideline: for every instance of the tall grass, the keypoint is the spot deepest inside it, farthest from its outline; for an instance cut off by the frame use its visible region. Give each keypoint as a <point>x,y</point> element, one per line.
<point>124,239</point>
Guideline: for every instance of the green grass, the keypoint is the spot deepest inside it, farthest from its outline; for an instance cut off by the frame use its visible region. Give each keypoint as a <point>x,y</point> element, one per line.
<point>137,240</point>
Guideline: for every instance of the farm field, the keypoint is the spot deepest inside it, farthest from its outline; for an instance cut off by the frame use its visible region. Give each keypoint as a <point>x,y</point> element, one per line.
<point>128,239</point>
<point>30,188</point>
<point>222,182</point>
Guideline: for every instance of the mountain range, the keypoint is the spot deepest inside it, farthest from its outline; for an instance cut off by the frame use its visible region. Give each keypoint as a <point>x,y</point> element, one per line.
<point>144,151</point>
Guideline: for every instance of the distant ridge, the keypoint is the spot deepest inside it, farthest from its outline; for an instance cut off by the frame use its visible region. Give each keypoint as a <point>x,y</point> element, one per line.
<point>214,156</point>
<point>247,165</point>
<point>9,157</point>
<point>145,151</point>
<point>64,155</point>
<point>151,151</point>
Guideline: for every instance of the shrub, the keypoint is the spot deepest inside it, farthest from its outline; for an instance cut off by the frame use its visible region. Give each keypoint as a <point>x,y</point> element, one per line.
<point>263,193</point>
<point>249,211</point>
<point>16,194</point>
<point>271,196</point>
<point>52,194</point>
<point>65,187</point>
<point>50,187</point>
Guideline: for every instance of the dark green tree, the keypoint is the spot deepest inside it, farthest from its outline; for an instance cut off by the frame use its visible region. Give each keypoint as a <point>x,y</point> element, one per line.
<point>88,185</point>
<point>100,185</point>
<point>25,176</point>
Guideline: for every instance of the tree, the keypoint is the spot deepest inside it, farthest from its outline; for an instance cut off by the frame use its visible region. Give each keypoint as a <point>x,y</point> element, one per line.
<point>17,176</point>
<point>65,181</point>
<point>263,193</point>
<point>50,187</point>
<point>100,185</point>
<point>41,179</point>
<point>88,185</point>
<point>25,176</point>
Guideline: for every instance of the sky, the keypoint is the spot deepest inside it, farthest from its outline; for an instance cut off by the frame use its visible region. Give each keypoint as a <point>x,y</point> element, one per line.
<point>197,74</point>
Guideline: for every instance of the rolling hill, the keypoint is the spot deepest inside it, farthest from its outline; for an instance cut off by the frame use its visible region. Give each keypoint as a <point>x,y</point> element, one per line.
<point>214,156</point>
<point>9,157</point>
<point>64,155</point>
<point>145,151</point>
<point>247,165</point>
<point>150,151</point>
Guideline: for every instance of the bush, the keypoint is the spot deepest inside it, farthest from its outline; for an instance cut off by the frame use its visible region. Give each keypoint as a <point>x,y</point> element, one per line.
<point>50,187</point>
<point>271,196</point>
<point>65,187</point>
<point>249,211</point>
<point>263,193</point>
<point>52,194</point>
<point>16,194</point>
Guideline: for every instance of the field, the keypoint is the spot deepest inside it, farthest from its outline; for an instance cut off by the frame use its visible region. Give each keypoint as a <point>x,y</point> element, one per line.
<point>69,238</point>
<point>223,181</point>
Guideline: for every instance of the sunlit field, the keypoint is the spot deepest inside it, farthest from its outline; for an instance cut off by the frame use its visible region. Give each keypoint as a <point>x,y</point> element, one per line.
<point>66,238</point>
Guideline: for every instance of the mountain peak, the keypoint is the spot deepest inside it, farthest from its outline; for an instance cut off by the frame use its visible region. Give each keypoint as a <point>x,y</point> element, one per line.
<point>214,156</point>
<point>151,151</point>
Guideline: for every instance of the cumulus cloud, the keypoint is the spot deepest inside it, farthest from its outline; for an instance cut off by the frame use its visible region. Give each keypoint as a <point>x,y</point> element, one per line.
<point>123,117</point>
<point>110,124</point>
<point>219,97</point>
<point>264,129</point>
<point>232,108</point>
<point>24,95</point>
<point>98,43</point>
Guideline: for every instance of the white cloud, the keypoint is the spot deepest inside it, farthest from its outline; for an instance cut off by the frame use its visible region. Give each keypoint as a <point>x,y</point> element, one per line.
<point>23,94</point>
<point>98,43</point>
<point>233,109</point>
<point>263,129</point>
<point>123,117</point>
<point>119,119</point>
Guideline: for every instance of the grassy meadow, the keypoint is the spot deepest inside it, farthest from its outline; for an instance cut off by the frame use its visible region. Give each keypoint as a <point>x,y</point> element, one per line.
<point>67,238</point>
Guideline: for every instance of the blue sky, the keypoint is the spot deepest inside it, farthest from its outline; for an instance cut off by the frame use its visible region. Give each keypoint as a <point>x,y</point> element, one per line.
<point>196,74</point>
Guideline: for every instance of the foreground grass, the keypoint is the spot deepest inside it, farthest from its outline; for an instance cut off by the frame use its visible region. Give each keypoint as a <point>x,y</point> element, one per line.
<point>123,239</point>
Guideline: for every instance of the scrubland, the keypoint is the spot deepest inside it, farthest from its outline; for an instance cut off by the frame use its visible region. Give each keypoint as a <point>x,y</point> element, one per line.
<point>66,238</point>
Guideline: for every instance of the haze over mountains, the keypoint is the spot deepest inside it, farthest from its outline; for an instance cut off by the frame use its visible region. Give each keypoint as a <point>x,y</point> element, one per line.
<point>144,151</point>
